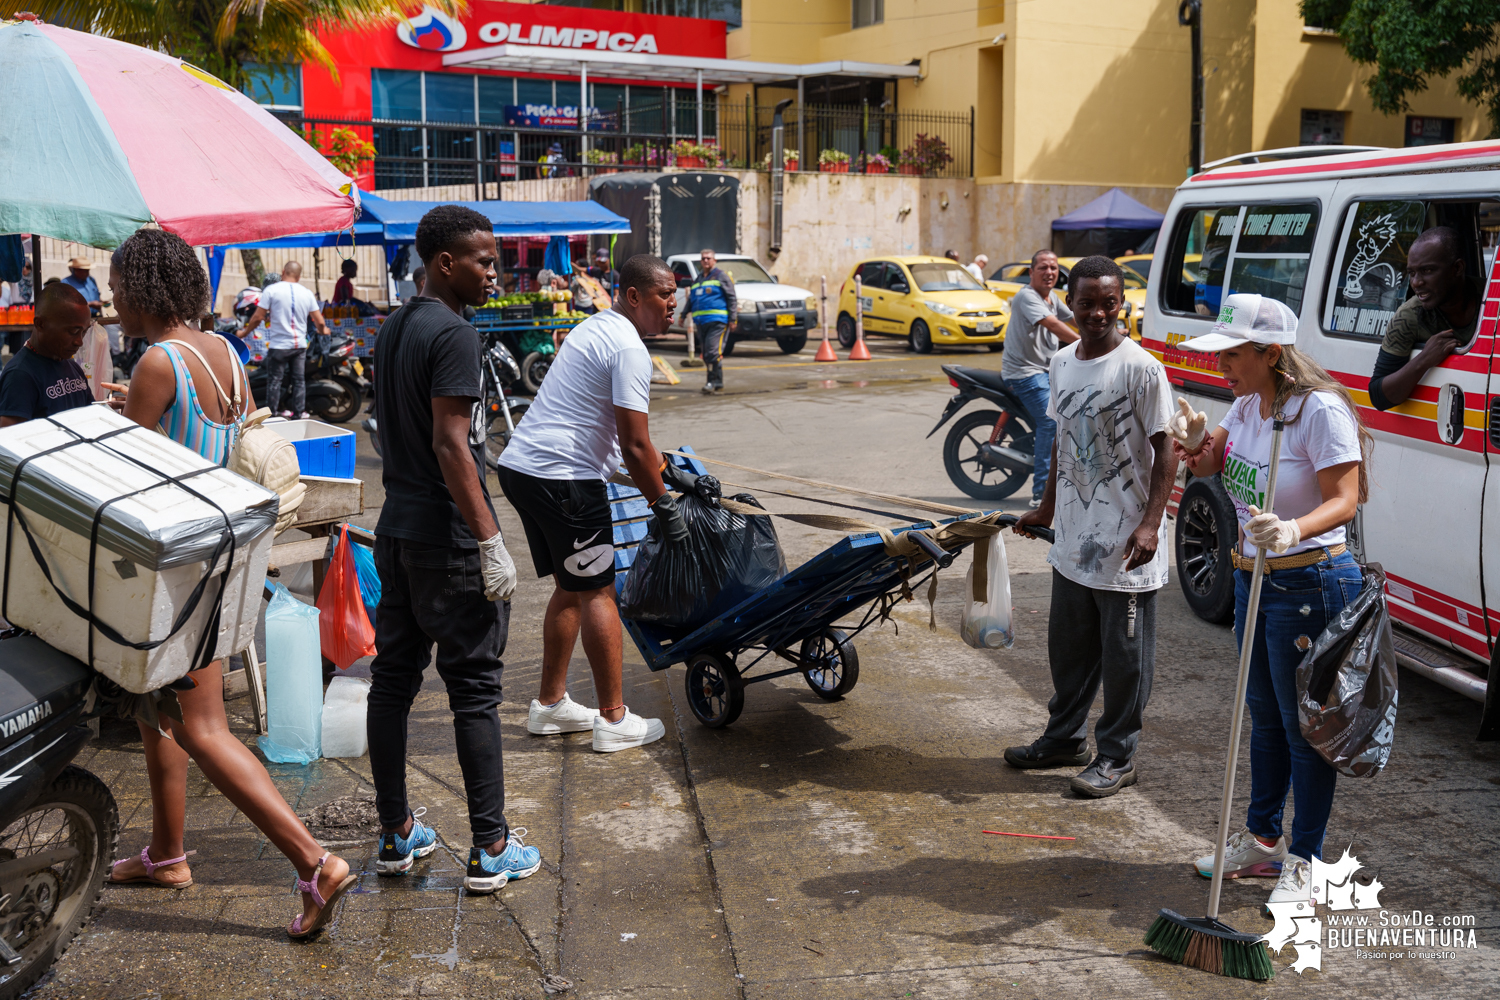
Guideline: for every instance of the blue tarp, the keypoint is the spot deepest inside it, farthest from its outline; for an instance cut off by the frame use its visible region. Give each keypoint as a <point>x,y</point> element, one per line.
<point>511,218</point>
<point>1114,209</point>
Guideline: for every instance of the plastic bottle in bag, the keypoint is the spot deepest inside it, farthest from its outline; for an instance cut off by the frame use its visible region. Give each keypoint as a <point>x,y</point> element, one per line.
<point>294,681</point>
<point>987,613</point>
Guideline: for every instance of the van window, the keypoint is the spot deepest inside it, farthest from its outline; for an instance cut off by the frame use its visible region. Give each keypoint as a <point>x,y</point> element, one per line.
<point>1368,281</point>
<point>1223,249</point>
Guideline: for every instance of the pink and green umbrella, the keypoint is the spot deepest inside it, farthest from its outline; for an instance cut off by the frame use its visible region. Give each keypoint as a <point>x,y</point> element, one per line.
<point>100,137</point>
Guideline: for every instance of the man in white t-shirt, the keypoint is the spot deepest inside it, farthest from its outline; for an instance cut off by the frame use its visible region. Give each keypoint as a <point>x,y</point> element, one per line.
<point>977,267</point>
<point>1038,327</point>
<point>1112,472</point>
<point>285,307</point>
<point>589,415</point>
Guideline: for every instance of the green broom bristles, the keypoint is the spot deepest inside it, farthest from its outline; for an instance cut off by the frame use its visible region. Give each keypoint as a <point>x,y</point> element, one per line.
<point>1209,945</point>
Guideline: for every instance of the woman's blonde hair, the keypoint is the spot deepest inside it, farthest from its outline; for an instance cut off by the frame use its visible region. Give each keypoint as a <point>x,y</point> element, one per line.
<point>1296,374</point>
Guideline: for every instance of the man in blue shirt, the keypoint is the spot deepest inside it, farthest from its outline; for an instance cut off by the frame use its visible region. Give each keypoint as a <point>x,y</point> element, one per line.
<point>712,304</point>
<point>43,378</point>
<point>78,278</point>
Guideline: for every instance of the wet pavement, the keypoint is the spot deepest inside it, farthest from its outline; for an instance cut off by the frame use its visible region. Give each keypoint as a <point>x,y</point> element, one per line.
<point>813,849</point>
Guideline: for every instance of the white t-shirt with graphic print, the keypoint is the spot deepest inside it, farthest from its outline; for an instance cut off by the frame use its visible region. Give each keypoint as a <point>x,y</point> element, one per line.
<point>1106,411</point>
<point>1324,435</point>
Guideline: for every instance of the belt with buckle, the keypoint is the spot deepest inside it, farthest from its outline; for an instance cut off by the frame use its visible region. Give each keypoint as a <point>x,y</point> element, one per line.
<point>1309,558</point>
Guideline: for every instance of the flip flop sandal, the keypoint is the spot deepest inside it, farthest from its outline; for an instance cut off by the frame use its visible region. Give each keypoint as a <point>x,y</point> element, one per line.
<point>325,906</point>
<point>150,877</point>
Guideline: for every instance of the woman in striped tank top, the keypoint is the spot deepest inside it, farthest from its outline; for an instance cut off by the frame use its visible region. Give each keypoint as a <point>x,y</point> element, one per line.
<point>191,386</point>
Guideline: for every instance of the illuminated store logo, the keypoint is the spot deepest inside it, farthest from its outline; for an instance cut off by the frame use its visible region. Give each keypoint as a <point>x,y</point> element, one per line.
<point>552,37</point>
<point>434,31</point>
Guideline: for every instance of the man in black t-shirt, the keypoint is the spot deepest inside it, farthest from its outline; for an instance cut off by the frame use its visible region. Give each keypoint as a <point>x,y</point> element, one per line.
<point>445,576</point>
<point>42,378</point>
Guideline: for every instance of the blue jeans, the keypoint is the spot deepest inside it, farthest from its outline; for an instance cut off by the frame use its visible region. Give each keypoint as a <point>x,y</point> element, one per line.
<point>1035,392</point>
<point>1293,603</point>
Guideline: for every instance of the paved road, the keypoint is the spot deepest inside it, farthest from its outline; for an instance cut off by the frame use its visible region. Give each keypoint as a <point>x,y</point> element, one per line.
<point>813,849</point>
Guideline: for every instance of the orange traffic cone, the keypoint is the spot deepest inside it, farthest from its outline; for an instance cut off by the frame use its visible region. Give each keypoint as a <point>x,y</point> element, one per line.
<point>825,350</point>
<point>859,352</point>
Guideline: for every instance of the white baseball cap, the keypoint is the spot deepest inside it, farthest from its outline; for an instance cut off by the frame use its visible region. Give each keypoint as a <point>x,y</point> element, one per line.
<point>1246,318</point>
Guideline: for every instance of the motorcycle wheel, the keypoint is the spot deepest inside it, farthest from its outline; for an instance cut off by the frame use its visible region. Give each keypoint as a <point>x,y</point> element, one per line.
<point>338,407</point>
<point>496,435</point>
<point>77,811</point>
<point>961,456</point>
<point>534,368</point>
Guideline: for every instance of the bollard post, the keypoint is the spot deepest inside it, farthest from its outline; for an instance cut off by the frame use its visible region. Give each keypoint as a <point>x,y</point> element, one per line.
<point>825,351</point>
<point>859,352</point>
<point>691,361</point>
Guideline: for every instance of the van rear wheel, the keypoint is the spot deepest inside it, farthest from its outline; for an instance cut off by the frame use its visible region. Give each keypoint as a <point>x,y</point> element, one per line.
<point>1207,530</point>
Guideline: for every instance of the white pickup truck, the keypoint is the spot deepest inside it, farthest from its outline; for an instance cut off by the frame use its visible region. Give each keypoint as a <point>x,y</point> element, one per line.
<point>1328,235</point>
<point>769,310</point>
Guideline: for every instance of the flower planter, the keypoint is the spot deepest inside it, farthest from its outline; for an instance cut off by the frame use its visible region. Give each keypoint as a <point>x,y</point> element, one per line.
<point>834,168</point>
<point>876,168</point>
<point>689,162</point>
<point>910,169</point>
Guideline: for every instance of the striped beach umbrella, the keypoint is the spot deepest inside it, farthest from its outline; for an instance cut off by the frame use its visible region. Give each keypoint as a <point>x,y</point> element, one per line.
<point>101,137</point>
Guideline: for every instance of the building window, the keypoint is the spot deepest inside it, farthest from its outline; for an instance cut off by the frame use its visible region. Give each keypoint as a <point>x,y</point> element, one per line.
<point>449,98</point>
<point>1425,131</point>
<point>1322,128</point>
<point>396,94</point>
<point>727,11</point>
<point>867,12</point>
<point>278,87</point>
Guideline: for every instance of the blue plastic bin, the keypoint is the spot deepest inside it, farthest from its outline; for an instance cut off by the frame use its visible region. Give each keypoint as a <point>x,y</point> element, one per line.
<point>322,449</point>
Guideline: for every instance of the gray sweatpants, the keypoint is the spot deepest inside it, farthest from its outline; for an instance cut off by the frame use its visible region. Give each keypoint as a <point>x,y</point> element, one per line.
<point>1096,636</point>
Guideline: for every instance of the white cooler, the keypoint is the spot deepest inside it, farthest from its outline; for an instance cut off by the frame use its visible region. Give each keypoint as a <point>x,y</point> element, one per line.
<point>155,539</point>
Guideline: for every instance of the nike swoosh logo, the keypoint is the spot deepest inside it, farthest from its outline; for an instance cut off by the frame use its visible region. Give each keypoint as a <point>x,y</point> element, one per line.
<point>590,562</point>
<point>579,545</point>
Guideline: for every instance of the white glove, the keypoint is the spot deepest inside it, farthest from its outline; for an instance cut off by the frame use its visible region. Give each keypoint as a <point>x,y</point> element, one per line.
<point>1187,427</point>
<point>499,572</point>
<point>1270,532</point>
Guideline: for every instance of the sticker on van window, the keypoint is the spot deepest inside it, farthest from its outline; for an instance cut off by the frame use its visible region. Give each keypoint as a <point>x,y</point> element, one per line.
<point>1369,282</point>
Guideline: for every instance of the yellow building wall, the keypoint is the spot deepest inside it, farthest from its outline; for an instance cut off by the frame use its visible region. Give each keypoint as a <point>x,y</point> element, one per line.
<point>1295,69</point>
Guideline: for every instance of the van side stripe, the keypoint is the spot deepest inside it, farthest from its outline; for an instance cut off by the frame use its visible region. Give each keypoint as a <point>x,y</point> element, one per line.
<point>1449,154</point>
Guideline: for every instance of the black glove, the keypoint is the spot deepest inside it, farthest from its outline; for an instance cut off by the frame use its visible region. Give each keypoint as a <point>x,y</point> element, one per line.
<point>673,525</point>
<point>705,488</point>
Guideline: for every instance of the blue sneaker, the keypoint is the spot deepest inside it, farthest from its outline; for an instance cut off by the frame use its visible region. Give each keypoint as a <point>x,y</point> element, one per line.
<point>397,853</point>
<point>488,872</point>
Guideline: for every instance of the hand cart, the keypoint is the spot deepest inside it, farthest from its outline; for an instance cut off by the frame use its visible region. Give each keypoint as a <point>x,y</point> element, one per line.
<point>792,618</point>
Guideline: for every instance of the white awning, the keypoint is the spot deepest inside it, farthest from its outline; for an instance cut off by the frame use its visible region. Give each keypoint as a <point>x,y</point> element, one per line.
<point>641,66</point>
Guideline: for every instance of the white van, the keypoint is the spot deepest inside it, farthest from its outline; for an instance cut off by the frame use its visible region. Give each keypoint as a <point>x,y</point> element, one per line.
<point>1328,235</point>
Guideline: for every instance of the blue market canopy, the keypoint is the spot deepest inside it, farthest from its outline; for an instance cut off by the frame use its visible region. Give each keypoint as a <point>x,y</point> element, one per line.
<point>510,218</point>
<point>365,234</point>
<point>1112,224</point>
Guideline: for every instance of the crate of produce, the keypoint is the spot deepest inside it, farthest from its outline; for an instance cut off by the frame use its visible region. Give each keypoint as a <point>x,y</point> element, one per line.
<point>322,449</point>
<point>165,550</point>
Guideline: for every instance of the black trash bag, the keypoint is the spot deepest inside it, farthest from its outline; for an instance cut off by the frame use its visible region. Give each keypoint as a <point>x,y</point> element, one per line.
<point>726,558</point>
<point>1346,685</point>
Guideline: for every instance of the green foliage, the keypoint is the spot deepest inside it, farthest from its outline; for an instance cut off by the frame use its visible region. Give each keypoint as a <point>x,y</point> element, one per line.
<point>1409,42</point>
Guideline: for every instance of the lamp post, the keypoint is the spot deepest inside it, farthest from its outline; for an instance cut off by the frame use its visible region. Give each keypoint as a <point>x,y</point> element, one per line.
<point>1190,15</point>
<point>778,173</point>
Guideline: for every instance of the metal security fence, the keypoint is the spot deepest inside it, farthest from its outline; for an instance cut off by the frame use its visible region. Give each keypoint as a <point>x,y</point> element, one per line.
<point>655,134</point>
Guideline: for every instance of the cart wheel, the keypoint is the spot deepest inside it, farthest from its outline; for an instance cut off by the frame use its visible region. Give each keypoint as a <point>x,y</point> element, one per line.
<point>715,692</point>
<point>830,664</point>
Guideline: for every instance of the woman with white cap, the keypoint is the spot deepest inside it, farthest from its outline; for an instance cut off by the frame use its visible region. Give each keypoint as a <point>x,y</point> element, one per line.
<point>1310,574</point>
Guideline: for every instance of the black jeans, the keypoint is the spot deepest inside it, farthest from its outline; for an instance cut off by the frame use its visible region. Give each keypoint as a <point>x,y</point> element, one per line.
<point>431,595</point>
<point>278,360</point>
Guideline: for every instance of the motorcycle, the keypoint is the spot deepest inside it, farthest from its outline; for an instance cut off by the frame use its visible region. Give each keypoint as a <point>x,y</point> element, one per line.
<point>334,388</point>
<point>59,824</point>
<point>988,453</point>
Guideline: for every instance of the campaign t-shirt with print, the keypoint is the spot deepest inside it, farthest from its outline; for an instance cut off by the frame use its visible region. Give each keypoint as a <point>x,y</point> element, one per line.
<point>1106,411</point>
<point>1319,433</point>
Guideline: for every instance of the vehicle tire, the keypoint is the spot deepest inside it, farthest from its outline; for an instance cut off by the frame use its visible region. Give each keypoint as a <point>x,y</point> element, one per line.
<point>793,344</point>
<point>921,337</point>
<point>497,436</point>
<point>341,406</point>
<point>961,455</point>
<point>830,664</point>
<point>845,328</point>
<point>57,901</point>
<point>1207,530</point>
<point>995,348</point>
<point>534,368</point>
<point>715,692</point>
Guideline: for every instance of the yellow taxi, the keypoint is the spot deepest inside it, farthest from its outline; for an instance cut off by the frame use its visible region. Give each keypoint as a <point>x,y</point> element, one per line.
<point>927,300</point>
<point>1008,279</point>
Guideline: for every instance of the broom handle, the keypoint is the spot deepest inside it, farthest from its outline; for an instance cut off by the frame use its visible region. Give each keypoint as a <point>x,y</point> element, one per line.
<point>1247,646</point>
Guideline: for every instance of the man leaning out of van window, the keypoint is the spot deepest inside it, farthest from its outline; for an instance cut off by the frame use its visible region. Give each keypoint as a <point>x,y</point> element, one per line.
<point>1437,320</point>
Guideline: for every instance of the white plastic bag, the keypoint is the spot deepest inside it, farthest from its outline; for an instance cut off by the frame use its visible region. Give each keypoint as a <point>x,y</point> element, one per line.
<point>987,621</point>
<point>96,361</point>
<point>344,709</point>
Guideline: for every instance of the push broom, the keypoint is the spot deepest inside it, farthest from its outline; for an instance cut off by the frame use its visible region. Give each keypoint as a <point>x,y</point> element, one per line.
<point>1208,943</point>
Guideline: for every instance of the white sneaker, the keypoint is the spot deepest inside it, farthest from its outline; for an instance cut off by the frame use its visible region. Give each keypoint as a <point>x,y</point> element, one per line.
<point>630,731</point>
<point>1034,502</point>
<point>1246,857</point>
<point>1295,883</point>
<point>567,716</point>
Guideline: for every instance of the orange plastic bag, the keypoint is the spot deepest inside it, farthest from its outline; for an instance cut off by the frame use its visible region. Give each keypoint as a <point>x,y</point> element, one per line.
<point>344,626</point>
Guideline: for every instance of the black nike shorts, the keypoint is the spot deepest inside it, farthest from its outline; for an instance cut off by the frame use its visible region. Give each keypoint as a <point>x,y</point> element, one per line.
<point>567,527</point>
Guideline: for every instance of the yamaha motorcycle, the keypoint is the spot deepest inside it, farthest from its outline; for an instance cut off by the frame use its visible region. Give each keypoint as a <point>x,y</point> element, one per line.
<point>58,823</point>
<point>988,453</point>
<point>334,389</point>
